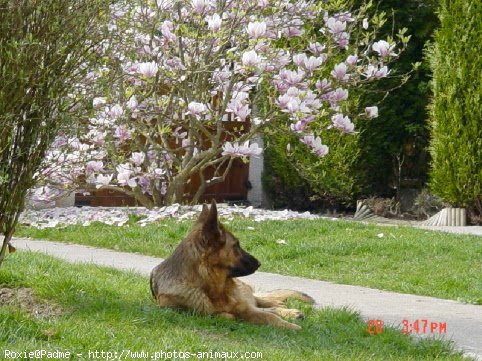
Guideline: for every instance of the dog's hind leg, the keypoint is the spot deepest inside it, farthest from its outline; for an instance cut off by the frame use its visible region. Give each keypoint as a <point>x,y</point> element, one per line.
<point>278,298</point>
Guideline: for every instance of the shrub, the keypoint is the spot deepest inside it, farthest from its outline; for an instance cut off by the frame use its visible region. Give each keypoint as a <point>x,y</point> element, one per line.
<point>297,178</point>
<point>456,114</point>
<point>45,51</point>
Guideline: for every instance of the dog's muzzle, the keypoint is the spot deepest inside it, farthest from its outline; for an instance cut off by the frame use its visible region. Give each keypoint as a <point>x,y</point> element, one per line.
<point>247,265</point>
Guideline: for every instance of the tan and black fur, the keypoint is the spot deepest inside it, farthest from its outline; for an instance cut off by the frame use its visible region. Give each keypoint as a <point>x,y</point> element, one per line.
<point>201,276</point>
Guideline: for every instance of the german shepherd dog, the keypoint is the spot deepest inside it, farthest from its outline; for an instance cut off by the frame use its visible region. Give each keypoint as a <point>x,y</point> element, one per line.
<point>201,276</point>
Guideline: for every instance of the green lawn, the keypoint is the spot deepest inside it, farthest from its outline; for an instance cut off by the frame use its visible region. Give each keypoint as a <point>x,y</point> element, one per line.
<point>405,259</point>
<point>111,311</point>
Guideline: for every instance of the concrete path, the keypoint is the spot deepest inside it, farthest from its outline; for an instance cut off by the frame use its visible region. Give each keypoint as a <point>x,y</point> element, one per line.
<point>464,321</point>
<point>473,230</point>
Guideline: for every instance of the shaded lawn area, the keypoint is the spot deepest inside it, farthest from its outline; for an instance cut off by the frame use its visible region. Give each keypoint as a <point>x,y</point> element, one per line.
<point>405,259</point>
<point>110,310</point>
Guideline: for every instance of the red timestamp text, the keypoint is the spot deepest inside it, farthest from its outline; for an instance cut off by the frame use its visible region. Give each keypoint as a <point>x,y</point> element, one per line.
<point>423,326</point>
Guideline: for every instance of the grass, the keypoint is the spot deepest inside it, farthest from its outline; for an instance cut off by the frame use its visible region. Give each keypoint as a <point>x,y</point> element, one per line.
<point>405,259</point>
<point>109,310</point>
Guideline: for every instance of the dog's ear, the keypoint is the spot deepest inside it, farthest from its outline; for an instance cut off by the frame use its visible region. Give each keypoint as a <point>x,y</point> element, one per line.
<point>211,231</point>
<point>204,214</point>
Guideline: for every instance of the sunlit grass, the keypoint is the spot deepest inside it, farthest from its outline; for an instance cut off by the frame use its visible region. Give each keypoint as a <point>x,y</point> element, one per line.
<point>404,259</point>
<point>110,310</point>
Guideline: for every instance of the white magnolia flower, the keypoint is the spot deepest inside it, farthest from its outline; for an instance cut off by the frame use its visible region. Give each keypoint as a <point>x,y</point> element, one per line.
<point>116,111</point>
<point>343,123</point>
<point>102,180</point>
<point>251,58</point>
<point>241,150</point>
<point>256,29</point>
<point>383,48</point>
<point>138,158</point>
<point>372,112</point>
<point>214,22</point>
<point>196,108</point>
<point>132,103</point>
<point>149,69</point>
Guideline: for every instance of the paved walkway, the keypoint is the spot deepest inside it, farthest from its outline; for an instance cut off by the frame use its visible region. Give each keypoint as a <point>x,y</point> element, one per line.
<point>464,321</point>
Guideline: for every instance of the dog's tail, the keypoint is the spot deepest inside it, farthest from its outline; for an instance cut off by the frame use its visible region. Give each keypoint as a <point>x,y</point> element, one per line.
<point>151,284</point>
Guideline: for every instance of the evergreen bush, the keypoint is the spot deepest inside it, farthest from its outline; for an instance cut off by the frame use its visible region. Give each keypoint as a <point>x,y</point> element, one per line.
<point>456,111</point>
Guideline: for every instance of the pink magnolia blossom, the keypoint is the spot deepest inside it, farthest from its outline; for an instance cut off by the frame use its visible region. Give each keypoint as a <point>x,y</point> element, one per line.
<point>103,180</point>
<point>196,108</point>
<point>166,30</point>
<point>342,40</point>
<point>382,72</point>
<point>372,112</point>
<point>384,49</point>
<point>214,22</point>
<point>199,6</point>
<point>351,60</point>
<point>293,105</point>
<point>292,77</point>
<point>339,72</point>
<point>344,16</point>
<point>323,84</point>
<point>338,95</point>
<point>122,133</point>
<point>294,28</point>
<point>45,194</point>
<point>283,100</point>
<point>299,59</point>
<point>374,72</point>
<point>313,63</point>
<point>316,48</point>
<point>335,26</point>
<point>251,58</point>
<point>132,103</point>
<point>145,184</point>
<point>124,173</point>
<point>148,69</point>
<point>315,144</point>
<point>242,112</point>
<point>256,29</point>
<point>263,3</point>
<point>116,111</point>
<point>343,123</point>
<point>93,166</point>
<point>300,125</point>
<point>241,150</point>
<point>138,158</point>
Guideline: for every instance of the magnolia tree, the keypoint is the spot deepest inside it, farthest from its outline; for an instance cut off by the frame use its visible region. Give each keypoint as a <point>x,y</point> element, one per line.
<point>178,93</point>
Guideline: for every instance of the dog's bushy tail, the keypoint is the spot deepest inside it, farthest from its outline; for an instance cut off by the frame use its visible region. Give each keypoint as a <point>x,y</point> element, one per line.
<point>151,284</point>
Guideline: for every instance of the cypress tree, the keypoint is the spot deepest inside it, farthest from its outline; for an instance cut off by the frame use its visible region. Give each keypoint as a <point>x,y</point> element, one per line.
<point>456,111</point>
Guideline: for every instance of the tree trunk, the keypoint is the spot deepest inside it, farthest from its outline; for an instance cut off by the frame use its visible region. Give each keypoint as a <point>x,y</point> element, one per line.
<point>175,191</point>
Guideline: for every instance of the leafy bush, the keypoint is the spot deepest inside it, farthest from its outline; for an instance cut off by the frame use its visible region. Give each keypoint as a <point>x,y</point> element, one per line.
<point>45,50</point>
<point>456,112</point>
<point>297,178</point>
<point>400,130</point>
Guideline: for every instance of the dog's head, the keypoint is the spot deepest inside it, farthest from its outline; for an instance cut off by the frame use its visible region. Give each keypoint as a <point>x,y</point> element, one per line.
<point>222,247</point>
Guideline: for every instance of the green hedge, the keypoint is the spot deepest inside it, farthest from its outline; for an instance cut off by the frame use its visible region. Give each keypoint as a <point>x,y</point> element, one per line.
<point>456,109</point>
<point>297,178</point>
